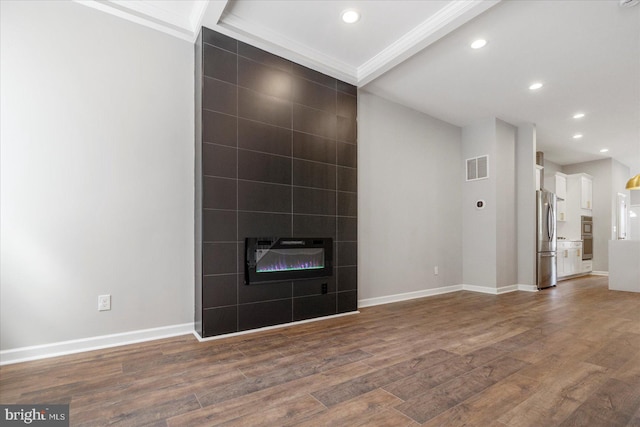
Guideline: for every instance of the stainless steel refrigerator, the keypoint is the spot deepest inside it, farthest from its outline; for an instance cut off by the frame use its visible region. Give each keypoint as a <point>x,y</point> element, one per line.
<point>546,237</point>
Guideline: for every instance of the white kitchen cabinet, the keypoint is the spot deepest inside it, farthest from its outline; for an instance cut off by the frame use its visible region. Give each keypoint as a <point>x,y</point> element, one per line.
<point>569,259</point>
<point>579,194</point>
<point>561,206</point>
<point>586,188</point>
<point>561,192</point>
<point>579,191</point>
<point>560,254</point>
<point>575,259</point>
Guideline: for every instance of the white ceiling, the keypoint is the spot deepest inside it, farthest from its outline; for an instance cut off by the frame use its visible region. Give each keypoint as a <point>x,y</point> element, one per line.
<point>416,53</point>
<point>587,54</point>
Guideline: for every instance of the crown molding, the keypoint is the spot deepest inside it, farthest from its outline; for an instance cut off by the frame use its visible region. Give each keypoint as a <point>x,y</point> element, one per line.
<point>153,12</point>
<point>197,14</point>
<point>212,14</point>
<point>452,16</point>
<point>151,16</point>
<point>276,43</point>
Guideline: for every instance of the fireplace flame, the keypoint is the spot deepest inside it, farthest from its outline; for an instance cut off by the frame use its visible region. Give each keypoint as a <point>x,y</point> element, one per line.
<point>290,260</point>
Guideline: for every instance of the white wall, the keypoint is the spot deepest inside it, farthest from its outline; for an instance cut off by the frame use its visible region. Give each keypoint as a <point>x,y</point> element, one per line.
<point>506,233</point>
<point>526,204</point>
<point>479,226</point>
<point>489,239</point>
<point>97,174</point>
<point>550,169</point>
<point>409,206</point>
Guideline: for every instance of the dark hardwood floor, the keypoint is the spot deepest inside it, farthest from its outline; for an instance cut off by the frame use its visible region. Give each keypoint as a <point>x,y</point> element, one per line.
<point>568,356</point>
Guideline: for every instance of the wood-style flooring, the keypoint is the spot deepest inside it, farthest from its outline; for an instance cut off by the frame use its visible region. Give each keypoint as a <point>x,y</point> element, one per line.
<point>568,356</point>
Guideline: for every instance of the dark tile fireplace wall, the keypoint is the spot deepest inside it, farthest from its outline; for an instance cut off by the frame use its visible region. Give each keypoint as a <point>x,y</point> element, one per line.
<point>275,156</point>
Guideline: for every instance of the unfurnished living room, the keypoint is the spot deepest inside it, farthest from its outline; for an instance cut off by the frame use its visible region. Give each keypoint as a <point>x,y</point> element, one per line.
<point>339,213</point>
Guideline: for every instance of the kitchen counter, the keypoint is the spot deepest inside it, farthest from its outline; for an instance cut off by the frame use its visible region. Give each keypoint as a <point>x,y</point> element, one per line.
<point>624,265</point>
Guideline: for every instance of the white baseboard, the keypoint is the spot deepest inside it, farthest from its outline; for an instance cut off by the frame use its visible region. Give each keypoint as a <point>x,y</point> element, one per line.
<point>490,290</point>
<point>527,288</point>
<point>600,273</point>
<point>408,296</point>
<point>500,290</point>
<point>444,290</point>
<point>25,354</point>
<point>268,328</point>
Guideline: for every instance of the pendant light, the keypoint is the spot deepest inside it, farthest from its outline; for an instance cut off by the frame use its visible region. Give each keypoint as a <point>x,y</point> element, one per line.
<point>634,183</point>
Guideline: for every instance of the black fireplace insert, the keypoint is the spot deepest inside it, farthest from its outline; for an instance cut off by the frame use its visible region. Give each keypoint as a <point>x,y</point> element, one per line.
<point>275,259</point>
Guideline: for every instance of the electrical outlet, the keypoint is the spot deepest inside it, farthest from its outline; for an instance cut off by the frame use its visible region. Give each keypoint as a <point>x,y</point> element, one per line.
<point>104,302</point>
<point>435,270</point>
<point>325,288</point>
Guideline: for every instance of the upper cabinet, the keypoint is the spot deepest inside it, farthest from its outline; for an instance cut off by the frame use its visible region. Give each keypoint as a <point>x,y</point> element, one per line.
<point>561,192</point>
<point>580,191</point>
<point>586,186</point>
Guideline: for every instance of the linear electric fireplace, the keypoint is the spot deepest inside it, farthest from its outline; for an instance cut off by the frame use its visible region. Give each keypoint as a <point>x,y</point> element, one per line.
<point>274,259</point>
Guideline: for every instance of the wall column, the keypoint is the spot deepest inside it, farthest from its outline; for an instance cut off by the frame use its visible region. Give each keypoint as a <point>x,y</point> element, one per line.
<point>526,203</point>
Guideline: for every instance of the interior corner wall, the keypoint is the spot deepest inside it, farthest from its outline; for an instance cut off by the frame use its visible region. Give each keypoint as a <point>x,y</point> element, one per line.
<point>96,175</point>
<point>526,204</point>
<point>506,243</point>
<point>409,204</point>
<point>620,174</point>
<point>479,226</point>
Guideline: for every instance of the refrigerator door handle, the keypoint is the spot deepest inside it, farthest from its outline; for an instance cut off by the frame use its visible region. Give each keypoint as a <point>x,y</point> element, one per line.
<point>553,221</point>
<point>550,223</point>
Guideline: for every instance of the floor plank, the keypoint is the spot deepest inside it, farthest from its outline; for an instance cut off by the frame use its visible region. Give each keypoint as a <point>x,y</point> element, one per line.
<point>481,409</point>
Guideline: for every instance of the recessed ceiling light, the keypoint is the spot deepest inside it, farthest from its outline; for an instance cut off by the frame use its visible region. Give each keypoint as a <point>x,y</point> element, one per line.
<point>478,44</point>
<point>577,136</point>
<point>604,150</point>
<point>350,16</point>
<point>535,86</point>
<point>578,115</point>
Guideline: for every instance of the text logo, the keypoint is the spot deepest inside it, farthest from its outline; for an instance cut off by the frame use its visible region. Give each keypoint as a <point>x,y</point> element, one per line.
<point>35,415</point>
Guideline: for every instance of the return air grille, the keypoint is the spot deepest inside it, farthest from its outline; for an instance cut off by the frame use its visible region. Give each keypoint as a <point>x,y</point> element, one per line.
<point>478,168</point>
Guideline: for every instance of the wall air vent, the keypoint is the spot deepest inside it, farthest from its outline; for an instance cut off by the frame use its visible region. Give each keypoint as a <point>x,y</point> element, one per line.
<point>478,168</point>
